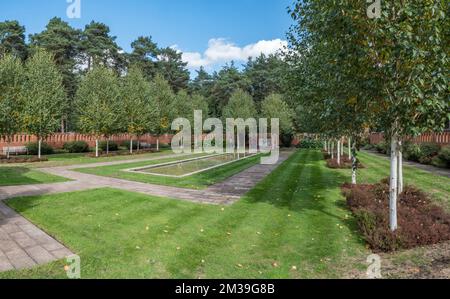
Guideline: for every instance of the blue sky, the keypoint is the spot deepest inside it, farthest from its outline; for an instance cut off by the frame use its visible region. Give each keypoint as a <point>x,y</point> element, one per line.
<point>210,32</point>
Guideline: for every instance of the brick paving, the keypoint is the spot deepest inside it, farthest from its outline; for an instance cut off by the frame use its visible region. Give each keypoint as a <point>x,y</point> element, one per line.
<point>23,245</point>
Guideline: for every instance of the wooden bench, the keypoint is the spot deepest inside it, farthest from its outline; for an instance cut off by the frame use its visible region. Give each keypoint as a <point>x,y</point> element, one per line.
<point>15,150</point>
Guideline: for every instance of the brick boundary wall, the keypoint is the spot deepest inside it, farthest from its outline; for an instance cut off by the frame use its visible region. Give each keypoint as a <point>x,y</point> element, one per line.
<point>439,138</point>
<point>58,140</point>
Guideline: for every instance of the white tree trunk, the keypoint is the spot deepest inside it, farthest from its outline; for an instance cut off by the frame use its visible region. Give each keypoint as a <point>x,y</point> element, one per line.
<point>107,146</point>
<point>393,188</point>
<point>342,147</point>
<point>131,146</point>
<point>339,152</point>
<point>157,145</point>
<point>96,148</point>
<point>325,145</point>
<point>400,168</point>
<point>349,142</point>
<point>7,149</point>
<point>332,150</point>
<point>354,162</point>
<point>39,148</point>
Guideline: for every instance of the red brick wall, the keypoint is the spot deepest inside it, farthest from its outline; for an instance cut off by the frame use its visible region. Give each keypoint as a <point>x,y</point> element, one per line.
<point>58,140</point>
<point>439,138</point>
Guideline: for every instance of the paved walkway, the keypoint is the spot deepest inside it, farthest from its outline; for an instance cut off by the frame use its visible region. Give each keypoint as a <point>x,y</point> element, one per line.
<point>23,245</point>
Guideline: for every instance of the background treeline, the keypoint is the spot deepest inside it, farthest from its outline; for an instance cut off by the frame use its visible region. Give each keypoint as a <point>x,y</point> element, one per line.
<point>86,72</point>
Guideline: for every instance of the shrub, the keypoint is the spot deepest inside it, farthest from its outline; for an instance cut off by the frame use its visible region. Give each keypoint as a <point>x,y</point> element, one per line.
<point>412,152</point>
<point>46,149</point>
<point>420,221</point>
<point>382,148</point>
<point>113,146</point>
<point>443,158</point>
<point>128,142</point>
<point>164,146</point>
<point>428,151</point>
<point>76,147</point>
<point>369,147</point>
<point>309,143</point>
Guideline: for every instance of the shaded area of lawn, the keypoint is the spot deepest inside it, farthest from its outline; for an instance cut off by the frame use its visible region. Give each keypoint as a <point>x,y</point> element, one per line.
<point>196,181</point>
<point>13,176</point>
<point>295,217</point>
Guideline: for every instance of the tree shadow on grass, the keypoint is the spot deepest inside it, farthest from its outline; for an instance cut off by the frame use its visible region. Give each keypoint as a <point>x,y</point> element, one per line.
<point>298,190</point>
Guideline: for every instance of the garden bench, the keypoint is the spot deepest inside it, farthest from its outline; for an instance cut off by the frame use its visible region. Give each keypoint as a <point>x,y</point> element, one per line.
<point>16,150</point>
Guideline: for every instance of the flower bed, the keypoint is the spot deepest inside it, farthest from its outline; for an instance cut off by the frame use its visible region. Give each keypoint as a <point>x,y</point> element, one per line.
<point>420,221</point>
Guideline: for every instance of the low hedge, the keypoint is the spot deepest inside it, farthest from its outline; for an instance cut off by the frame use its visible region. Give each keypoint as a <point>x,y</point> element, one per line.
<point>310,144</point>
<point>46,149</point>
<point>113,146</point>
<point>76,147</point>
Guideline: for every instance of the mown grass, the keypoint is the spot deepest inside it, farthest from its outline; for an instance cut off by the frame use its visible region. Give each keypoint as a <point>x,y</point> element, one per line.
<point>377,168</point>
<point>14,176</point>
<point>196,181</point>
<point>294,218</point>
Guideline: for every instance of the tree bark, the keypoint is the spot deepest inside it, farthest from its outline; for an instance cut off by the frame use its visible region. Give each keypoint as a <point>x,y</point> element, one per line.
<point>96,148</point>
<point>131,146</point>
<point>157,145</point>
<point>393,188</point>
<point>342,147</point>
<point>332,150</point>
<point>7,148</point>
<point>339,152</point>
<point>354,163</point>
<point>349,144</point>
<point>400,168</point>
<point>107,146</point>
<point>39,148</point>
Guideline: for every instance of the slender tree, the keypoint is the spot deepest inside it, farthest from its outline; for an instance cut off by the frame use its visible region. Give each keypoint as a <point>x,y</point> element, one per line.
<point>11,104</point>
<point>98,104</point>
<point>43,96</point>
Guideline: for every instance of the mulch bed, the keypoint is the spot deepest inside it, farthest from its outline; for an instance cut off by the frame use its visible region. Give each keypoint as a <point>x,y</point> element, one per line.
<point>11,160</point>
<point>346,163</point>
<point>420,221</point>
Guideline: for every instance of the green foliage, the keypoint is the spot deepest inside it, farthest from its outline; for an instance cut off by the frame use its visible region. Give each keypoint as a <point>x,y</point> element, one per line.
<point>110,146</point>
<point>308,143</point>
<point>98,104</point>
<point>12,40</point>
<point>383,148</point>
<point>273,106</point>
<point>444,157</point>
<point>43,95</point>
<point>138,112</point>
<point>412,152</point>
<point>76,147</point>
<point>163,99</point>
<point>240,105</point>
<point>172,67</point>
<point>127,144</point>
<point>33,148</point>
<point>11,104</point>
<point>428,151</point>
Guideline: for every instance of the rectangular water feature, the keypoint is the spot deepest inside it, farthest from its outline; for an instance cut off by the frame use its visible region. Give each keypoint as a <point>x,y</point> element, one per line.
<point>183,168</point>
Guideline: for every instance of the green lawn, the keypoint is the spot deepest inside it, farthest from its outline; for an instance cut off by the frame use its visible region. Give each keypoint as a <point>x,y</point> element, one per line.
<point>378,169</point>
<point>76,159</point>
<point>196,181</point>
<point>13,176</point>
<point>295,217</point>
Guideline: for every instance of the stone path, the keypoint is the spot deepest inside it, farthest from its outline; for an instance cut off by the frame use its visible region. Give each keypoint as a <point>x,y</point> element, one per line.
<point>23,245</point>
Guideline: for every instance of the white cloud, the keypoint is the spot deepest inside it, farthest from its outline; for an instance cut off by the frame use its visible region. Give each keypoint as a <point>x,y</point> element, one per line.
<point>221,50</point>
